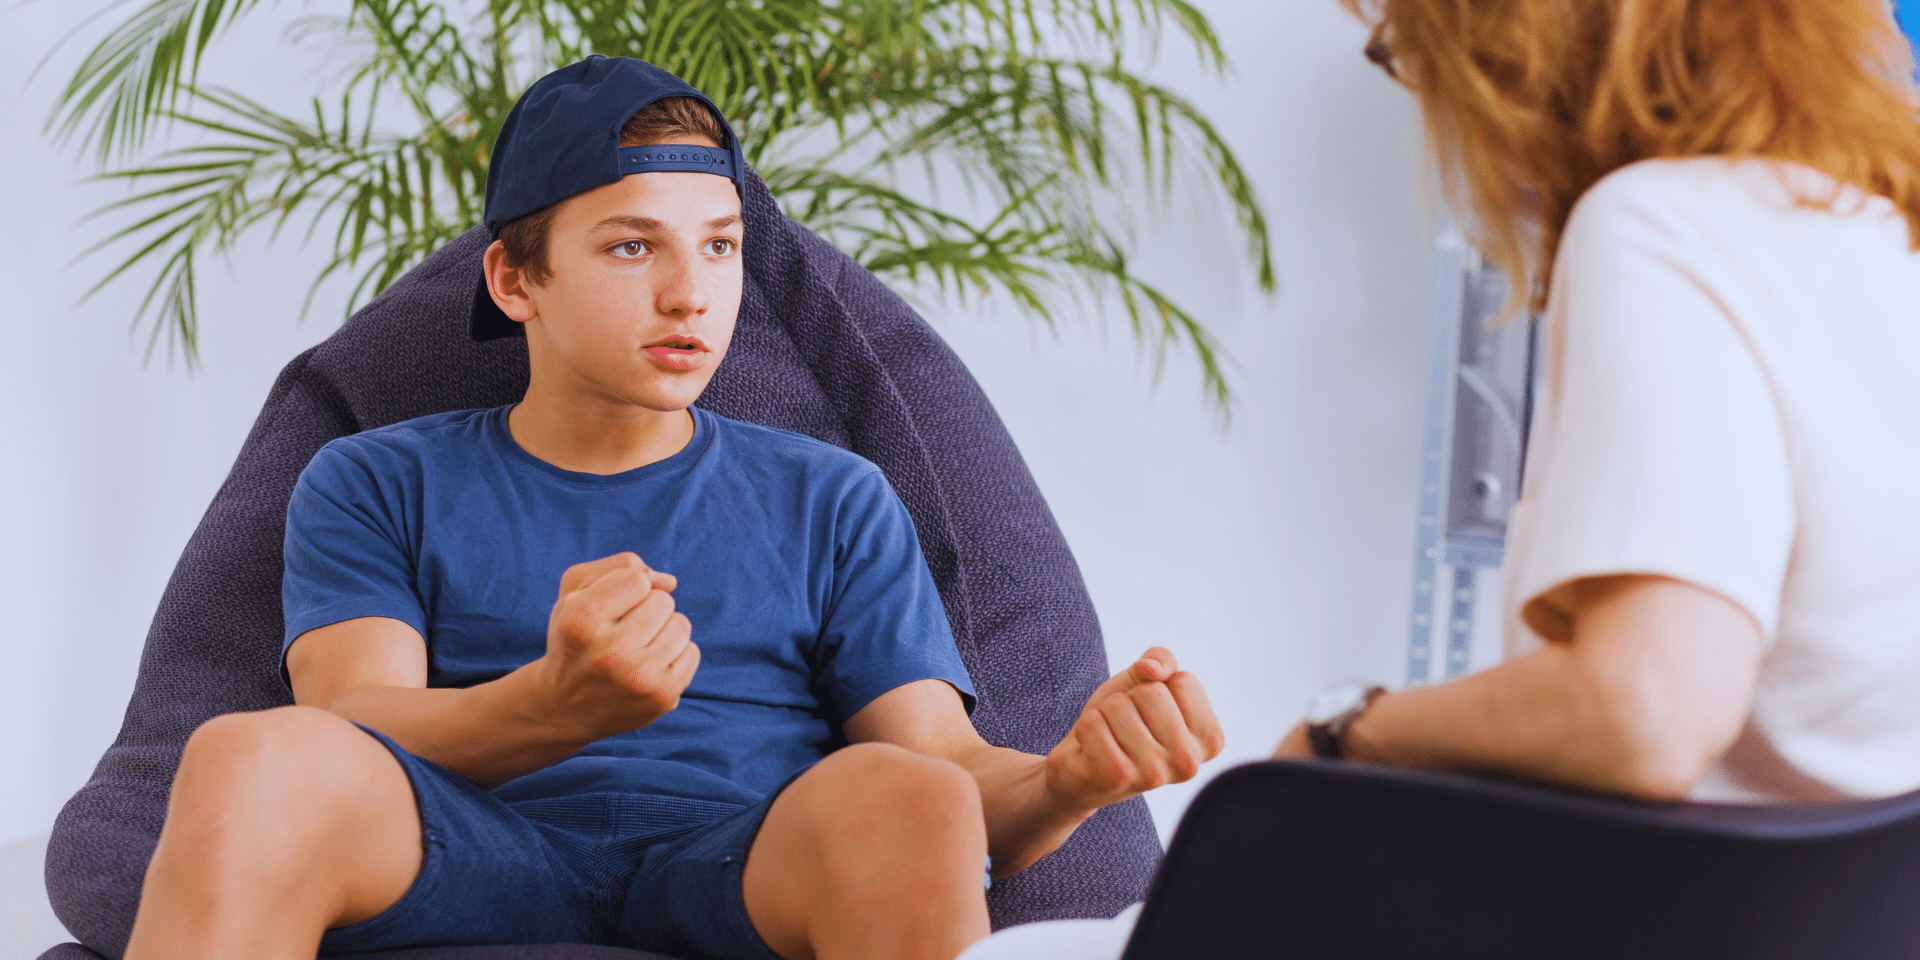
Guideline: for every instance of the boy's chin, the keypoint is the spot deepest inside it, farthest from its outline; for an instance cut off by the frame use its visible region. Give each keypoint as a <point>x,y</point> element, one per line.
<point>669,395</point>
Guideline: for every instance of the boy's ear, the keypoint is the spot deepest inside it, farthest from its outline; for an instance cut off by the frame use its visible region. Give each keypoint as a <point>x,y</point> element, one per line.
<point>507,284</point>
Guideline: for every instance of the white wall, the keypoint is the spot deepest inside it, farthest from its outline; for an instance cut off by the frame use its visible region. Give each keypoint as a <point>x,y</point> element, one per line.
<point>1273,557</point>
<point>105,464</point>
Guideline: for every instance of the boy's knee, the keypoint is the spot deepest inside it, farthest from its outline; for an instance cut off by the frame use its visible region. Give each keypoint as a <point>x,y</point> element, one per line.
<point>903,790</point>
<point>286,748</point>
<point>264,733</point>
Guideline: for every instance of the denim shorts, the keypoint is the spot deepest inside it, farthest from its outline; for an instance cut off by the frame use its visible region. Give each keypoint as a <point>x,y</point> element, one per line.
<point>650,873</point>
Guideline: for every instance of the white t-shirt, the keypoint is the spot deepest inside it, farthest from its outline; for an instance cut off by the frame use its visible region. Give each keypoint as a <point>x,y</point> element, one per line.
<point>1732,399</point>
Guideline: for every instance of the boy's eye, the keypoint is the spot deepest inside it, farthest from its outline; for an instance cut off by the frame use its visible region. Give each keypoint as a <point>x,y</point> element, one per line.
<point>721,246</point>
<point>630,248</point>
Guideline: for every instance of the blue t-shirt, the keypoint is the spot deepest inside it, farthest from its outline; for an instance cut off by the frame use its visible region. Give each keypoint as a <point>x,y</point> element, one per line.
<point>799,570</point>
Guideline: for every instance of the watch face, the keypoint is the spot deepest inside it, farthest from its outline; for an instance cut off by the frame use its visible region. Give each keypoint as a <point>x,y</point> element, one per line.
<point>1329,704</point>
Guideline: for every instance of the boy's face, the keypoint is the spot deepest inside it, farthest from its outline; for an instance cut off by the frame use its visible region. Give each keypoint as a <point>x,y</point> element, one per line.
<point>642,293</point>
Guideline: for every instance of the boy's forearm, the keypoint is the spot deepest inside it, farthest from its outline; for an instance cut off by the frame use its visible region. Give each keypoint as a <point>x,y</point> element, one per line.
<point>489,733</point>
<point>1024,821</point>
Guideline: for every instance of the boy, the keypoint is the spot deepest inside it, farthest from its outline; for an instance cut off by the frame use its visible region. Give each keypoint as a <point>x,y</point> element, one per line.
<point>532,770</point>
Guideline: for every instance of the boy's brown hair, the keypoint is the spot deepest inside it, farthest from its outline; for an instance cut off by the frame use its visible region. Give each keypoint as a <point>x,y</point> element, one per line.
<point>672,120</point>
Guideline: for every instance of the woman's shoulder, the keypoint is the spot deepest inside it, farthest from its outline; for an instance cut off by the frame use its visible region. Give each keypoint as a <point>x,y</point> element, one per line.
<point>1741,199</point>
<point>1666,192</point>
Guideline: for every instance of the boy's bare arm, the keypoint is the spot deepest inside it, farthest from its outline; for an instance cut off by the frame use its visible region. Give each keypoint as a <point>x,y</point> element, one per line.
<point>1147,726</point>
<point>618,657</point>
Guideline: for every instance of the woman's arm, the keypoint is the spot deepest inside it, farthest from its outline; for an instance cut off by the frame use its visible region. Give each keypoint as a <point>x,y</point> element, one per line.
<point>1644,683</point>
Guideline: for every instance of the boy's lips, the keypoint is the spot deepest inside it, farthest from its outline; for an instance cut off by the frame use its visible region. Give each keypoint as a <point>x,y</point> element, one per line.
<point>678,352</point>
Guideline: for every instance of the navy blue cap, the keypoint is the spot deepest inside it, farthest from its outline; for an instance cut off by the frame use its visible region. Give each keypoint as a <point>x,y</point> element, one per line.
<point>563,138</point>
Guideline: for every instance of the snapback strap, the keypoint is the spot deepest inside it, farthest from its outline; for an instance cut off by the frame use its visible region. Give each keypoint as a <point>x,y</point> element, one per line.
<point>676,157</point>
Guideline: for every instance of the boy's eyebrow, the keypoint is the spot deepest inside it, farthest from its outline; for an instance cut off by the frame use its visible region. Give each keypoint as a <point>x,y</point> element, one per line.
<point>631,223</point>
<point>649,223</point>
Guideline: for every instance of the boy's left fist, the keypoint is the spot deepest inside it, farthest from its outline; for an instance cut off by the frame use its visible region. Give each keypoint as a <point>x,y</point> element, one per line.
<point>1147,726</point>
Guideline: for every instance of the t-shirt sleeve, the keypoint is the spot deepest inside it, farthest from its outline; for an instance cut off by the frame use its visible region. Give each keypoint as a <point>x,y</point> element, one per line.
<point>1659,447</point>
<point>346,553</point>
<point>885,625</point>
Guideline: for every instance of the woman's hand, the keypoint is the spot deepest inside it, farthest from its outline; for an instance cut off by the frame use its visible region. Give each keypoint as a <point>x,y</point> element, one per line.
<point>1295,745</point>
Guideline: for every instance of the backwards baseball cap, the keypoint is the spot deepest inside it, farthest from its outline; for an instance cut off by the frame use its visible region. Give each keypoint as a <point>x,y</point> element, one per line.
<point>563,138</point>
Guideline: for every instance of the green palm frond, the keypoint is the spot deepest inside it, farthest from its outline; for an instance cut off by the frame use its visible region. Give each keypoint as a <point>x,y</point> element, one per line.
<point>861,116</point>
<point>136,75</point>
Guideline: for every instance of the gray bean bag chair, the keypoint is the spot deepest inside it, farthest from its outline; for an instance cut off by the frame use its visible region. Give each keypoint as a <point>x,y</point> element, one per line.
<point>822,348</point>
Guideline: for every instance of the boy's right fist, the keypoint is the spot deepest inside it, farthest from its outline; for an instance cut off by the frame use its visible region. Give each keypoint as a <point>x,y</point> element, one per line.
<point>618,654</point>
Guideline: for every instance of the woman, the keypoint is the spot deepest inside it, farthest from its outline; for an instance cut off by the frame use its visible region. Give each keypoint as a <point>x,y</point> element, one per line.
<point>1714,576</point>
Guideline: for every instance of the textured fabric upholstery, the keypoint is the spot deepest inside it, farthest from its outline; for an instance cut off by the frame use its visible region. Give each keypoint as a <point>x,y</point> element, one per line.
<point>822,348</point>
<point>74,951</point>
<point>69,951</point>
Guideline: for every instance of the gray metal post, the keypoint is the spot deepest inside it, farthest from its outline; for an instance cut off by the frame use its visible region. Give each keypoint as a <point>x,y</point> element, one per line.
<point>1473,443</point>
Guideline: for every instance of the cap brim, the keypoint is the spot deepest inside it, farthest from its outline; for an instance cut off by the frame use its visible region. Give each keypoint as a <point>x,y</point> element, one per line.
<point>486,322</point>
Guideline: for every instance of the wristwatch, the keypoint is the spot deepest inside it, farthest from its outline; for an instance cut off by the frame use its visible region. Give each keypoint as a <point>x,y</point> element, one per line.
<point>1333,711</point>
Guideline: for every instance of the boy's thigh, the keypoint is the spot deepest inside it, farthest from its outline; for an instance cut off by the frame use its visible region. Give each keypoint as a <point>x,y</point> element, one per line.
<point>296,800</point>
<point>487,875</point>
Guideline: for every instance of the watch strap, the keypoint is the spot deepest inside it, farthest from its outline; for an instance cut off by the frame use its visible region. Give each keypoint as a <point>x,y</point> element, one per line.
<point>1325,737</point>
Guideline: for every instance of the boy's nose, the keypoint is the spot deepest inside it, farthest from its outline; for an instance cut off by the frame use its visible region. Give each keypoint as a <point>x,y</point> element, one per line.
<point>682,292</point>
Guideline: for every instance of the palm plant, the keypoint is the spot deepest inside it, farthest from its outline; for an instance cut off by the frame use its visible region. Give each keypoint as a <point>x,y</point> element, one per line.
<point>860,115</point>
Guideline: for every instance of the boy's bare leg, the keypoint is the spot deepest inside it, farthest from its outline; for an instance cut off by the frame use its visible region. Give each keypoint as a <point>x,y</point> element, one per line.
<point>282,823</point>
<point>876,852</point>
